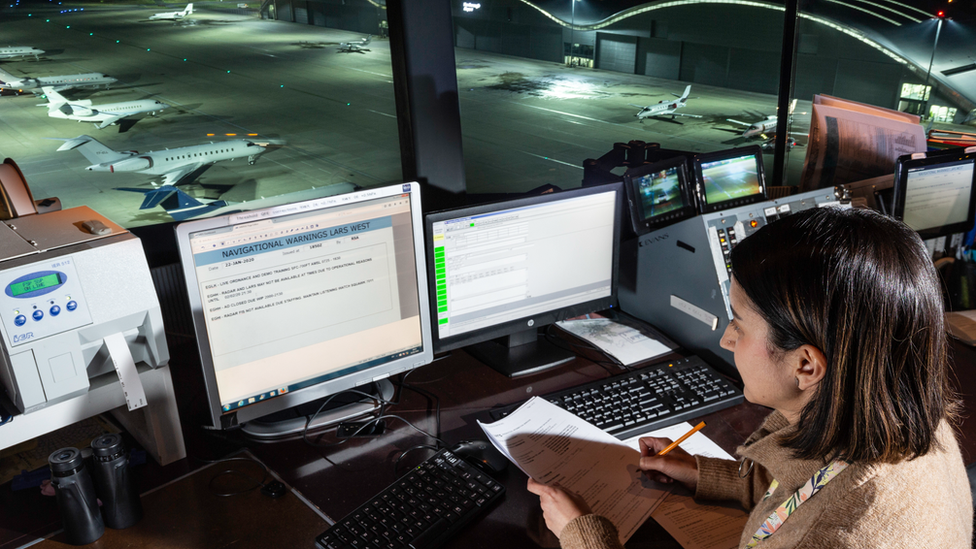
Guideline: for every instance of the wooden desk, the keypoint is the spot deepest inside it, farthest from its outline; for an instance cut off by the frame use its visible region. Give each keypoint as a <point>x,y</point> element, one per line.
<point>340,478</point>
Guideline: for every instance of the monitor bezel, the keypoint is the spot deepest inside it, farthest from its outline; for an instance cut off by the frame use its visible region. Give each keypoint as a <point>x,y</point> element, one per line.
<point>542,319</point>
<point>750,150</point>
<point>908,162</point>
<point>220,419</point>
<point>635,208</point>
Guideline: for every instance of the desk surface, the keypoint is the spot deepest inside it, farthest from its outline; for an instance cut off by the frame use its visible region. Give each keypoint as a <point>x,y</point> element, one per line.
<point>337,479</point>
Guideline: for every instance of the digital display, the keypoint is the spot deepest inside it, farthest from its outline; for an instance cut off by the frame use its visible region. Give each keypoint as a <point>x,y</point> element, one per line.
<point>939,195</point>
<point>35,284</point>
<point>730,179</point>
<point>660,192</point>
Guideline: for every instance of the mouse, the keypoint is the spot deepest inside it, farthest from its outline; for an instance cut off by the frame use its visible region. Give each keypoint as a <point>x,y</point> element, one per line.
<point>482,455</point>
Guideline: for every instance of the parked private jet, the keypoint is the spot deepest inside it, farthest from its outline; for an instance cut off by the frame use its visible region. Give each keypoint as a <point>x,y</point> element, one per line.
<point>358,46</point>
<point>763,127</point>
<point>665,108</point>
<point>181,206</point>
<point>103,115</point>
<point>177,166</point>
<point>57,83</point>
<point>172,15</point>
<point>11,52</point>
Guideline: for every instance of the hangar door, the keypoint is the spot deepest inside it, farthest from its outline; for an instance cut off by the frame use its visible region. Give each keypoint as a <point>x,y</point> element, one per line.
<point>616,53</point>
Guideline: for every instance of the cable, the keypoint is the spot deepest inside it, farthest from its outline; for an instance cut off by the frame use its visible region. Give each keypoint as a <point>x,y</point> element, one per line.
<point>396,463</point>
<point>257,483</point>
<point>432,397</point>
<point>309,419</point>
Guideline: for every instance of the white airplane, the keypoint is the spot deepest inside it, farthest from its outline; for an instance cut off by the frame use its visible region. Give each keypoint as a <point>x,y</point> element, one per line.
<point>11,52</point>
<point>103,115</point>
<point>172,15</point>
<point>181,206</point>
<point>764,126</point>
<point>358,46</point>
<point>665,108</point>
<point>175,165</point>
<point>57,83</point>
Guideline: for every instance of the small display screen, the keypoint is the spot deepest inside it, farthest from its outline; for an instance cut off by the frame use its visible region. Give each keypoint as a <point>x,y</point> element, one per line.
<point>35,284</point>
<point>731,179</point>
<point>660,192</point>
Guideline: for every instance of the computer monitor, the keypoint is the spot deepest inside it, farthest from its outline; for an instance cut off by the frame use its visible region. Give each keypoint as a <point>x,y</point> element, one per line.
<point>729,179</point>
<point>502,271</point>
<point>296,302</point>
<point>935,193</point>
<point>659,194</point>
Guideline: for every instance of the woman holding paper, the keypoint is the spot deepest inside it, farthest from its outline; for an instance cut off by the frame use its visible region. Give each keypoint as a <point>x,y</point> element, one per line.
<point>838,327</point>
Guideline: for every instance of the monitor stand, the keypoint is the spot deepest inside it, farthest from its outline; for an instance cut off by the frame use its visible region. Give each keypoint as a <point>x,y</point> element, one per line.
<point>342,408</point>
<point>521,353</point>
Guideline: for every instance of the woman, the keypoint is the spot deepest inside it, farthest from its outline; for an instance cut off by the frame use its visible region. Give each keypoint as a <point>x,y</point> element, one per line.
<point>838,327</point>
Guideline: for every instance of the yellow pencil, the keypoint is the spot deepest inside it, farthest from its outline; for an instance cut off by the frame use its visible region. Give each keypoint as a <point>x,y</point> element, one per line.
<point>684,437</point>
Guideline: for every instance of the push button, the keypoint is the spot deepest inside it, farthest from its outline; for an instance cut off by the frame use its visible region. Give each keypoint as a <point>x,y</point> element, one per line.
<point>55,310</point>
<point>20,320</point>
<point>72,305</point>
<point>38,314</point>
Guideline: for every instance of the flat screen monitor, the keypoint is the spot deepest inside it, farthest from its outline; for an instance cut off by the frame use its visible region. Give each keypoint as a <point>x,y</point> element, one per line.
<point>659,194</point>
<point>296,302</point>
<point>935,193</point>
<point>506,269</point>
<point>728,179</point>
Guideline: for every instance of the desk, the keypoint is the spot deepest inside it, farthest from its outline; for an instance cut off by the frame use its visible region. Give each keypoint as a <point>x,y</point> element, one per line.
<point>338,479</point>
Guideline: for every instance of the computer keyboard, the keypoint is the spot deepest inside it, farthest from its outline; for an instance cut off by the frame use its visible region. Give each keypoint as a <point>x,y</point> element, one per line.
<point>422,509</point>
<point>647,398</point>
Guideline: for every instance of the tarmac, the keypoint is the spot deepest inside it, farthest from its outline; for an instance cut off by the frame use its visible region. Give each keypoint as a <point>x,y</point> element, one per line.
<point>525,123</point>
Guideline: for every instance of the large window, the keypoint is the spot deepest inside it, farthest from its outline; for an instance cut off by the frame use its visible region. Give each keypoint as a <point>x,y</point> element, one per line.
<point>308,88</point>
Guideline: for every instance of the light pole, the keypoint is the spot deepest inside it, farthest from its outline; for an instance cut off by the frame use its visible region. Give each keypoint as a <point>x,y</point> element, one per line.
<point>572,29</point>
<point>925,88</point>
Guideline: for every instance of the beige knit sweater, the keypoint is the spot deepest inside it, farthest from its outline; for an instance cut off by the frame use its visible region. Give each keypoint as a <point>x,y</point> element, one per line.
<point>925,502</point>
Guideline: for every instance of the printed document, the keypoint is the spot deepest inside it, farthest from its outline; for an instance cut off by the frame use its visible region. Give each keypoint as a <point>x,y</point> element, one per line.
<point>694,525</point>
<point>554,446</point>
<point>624,343</point>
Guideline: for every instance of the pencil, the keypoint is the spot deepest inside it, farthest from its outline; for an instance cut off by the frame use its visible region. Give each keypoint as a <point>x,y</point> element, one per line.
<point>683,438</point>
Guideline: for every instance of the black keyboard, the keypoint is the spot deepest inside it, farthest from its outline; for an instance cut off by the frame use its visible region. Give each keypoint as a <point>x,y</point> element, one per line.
<point>422,509</point>
<point>647,398</point>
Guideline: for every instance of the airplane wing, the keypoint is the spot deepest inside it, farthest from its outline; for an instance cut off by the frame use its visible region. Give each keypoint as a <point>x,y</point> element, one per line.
<point>683,114</point>
<point>176,176</point>
<point>738,122</point>
<point>638,106</point>
<point>109,121</point>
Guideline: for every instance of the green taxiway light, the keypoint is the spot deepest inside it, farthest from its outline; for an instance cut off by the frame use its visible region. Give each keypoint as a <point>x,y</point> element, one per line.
<point>68,27</point>
<point>228,72</point>
<point>147,49</point>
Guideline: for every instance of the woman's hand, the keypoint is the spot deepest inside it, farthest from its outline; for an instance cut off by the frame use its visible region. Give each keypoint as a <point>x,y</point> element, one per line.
<point>677,465</point>
<point>559,507</point>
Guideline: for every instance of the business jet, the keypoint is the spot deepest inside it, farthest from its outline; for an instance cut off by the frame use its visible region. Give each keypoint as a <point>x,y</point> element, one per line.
<point>11,52</point>
<point>665,108</point>
<point>356,47</point>
<point>177,166</point>
<point>103,115</point>
<point>763,127</point>
<point>181,206</point>
<point>172,15</point>
<point>57,83</point>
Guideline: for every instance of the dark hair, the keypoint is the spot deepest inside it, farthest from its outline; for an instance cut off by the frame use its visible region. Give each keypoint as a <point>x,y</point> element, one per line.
<point>862,288</point>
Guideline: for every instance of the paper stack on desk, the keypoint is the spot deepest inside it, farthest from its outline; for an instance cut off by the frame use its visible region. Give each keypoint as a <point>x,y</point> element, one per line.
<point>623,343</point>
<point>553,446</point>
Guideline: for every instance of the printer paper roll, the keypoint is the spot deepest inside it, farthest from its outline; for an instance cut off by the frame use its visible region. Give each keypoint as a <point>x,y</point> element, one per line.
<point>118,349</point>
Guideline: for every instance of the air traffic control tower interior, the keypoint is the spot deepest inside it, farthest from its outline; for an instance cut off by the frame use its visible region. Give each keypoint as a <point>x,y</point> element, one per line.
<point>338,201</point>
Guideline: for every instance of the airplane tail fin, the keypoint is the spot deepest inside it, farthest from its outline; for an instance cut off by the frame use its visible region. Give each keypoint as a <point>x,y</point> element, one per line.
<point>179,205</point>
<point>6,77</point>
<point>687,92</point>
<point>792,106</point>
<point>90,148</point>
<point>188,9</point>
<point>54,99</point>
<point>368,39</point>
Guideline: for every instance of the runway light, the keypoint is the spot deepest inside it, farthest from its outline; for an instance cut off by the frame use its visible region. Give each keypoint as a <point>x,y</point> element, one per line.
<point>147,49</point>
<point>230,134</point>
<point>210,135</point>
<point>228,72</point>
<point>184,58</point>
<point>347,104</point>
<point>116,41</point>
<point>91,34</point>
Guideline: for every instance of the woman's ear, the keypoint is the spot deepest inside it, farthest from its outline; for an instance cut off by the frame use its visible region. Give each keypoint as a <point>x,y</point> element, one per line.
<point>810,366</point>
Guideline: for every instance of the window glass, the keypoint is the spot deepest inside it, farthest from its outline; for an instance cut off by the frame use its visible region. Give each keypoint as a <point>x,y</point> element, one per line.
<point>308,99</point>
<point>545,84</point>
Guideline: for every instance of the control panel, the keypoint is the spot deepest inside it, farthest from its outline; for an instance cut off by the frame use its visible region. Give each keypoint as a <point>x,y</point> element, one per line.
<point>42,299</point>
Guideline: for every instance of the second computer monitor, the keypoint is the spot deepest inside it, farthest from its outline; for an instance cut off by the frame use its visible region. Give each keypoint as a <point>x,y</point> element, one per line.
<point>935,193</point>
<point>509,268</point>
<point>728,179</point>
